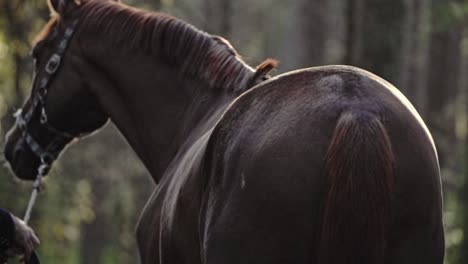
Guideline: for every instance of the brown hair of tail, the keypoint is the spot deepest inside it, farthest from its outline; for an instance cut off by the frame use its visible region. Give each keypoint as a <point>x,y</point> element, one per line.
<point>358,192</point>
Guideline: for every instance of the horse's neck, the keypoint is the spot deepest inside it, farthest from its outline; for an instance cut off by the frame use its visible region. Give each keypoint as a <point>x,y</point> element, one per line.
<point>166,141</point>
<point>165,97</point>
<point>160,112</point>
<point>189,154</point>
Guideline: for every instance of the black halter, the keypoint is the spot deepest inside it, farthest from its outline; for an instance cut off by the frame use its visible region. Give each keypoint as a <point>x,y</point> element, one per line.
<point>47,154</point>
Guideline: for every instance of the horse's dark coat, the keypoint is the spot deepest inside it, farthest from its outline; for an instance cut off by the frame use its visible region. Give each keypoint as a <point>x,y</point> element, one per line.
<point>322,165</point>
<point>266,169</point>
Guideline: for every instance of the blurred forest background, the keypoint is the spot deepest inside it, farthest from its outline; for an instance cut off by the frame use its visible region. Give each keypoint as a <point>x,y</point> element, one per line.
<point>92,199</point>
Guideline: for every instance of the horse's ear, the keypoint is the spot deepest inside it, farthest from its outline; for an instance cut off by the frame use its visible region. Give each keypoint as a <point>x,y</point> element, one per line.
<point>261,73</point>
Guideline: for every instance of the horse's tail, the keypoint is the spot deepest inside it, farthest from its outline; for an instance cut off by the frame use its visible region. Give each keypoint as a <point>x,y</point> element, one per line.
<point>358,192</point>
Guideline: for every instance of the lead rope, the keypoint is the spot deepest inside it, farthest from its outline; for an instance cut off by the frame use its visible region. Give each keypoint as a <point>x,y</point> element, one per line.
<point>41,171</point>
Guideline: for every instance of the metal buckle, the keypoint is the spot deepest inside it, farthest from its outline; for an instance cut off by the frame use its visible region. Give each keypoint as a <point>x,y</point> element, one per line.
<point>53,64</point>
<point>18,113</point>
<point>63,45</point>
<point>46,161</point>
<point>41,94</point>
<point>44,82</point>
<point>69,32</point>
<point>43,118</point>
<point>20,122</point>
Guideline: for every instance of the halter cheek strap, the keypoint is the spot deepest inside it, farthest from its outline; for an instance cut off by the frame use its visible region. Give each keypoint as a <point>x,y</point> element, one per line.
<point>50,152</point>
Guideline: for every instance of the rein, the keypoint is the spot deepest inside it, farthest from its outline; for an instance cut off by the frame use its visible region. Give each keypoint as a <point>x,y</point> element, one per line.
<point>48,154</point>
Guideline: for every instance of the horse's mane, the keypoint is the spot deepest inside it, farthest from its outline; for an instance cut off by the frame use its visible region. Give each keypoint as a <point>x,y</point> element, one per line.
<point>200,55</point>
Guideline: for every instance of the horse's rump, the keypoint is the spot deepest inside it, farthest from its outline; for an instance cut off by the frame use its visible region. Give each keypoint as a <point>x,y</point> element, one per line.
<point>287,154</point>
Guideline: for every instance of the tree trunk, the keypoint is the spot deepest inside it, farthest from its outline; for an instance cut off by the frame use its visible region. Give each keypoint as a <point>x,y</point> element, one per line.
<point>157,4</point>
<point>292,51</point>
<point>313,37</point>
<point>335,48</point>
<point>226,10</point>
<point>407,46</point>
<point>218,14</point>
<point>94,234</point>
<point>461,132</point>
<point>355,17</point>
<point>322,30</point>
<point>423,29</point>
<point>17,32</point>
<point>444,67</point>
<point>464,209</point>
<point>375,39</point>
<point>414,53</point>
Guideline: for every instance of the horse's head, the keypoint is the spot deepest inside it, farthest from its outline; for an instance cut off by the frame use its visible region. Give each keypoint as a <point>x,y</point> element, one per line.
<point>61,106</point>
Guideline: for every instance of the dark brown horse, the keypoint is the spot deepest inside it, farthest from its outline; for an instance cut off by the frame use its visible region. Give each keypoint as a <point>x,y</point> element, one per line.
<point>326,165</point>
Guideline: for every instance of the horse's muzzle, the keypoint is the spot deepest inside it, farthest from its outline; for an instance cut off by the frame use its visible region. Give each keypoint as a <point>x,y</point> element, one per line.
<point>22,160</point>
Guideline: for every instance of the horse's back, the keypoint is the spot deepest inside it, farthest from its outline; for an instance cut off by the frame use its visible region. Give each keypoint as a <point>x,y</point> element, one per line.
<point>266,161</point>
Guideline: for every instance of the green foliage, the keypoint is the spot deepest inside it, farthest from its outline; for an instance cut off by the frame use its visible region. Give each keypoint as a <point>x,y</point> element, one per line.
<point>450,13</point>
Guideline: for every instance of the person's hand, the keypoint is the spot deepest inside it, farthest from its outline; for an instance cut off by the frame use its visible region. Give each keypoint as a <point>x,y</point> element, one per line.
<point>25,241</point>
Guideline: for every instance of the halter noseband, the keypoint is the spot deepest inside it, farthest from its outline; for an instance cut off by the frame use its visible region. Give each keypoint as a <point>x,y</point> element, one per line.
<point>49,153</point>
